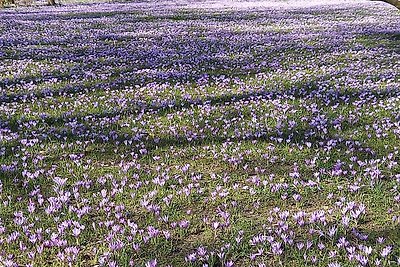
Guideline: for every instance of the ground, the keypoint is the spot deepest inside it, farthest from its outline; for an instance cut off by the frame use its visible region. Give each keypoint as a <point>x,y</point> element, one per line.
<point>197,133</point>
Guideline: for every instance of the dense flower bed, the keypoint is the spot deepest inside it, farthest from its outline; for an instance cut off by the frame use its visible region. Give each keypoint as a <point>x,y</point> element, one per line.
<point>200,134</point>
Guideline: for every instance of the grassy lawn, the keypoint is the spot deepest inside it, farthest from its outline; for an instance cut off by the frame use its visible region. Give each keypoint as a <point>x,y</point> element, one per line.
<point>200,134</point>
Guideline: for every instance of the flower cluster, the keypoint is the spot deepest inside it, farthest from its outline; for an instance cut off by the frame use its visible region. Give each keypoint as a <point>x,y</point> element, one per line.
<point>200,133</point>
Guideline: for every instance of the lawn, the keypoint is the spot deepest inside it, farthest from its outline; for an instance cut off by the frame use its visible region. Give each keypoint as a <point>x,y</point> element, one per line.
<point>199,133</point>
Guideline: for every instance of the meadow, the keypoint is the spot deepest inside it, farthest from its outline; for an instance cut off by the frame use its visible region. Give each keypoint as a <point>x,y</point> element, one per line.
<point>199,133</point>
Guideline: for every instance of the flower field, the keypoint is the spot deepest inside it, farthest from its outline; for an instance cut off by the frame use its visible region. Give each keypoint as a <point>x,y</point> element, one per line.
<point>199,133</point>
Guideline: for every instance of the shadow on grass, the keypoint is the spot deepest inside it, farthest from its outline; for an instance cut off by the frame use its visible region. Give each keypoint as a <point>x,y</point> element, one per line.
<point>110,136</point>
<point>387,40</point>
<point>198,49</point>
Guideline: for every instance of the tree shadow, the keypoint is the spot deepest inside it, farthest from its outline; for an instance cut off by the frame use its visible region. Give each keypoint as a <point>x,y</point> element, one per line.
<point>88,127</point>
<point>388,40</point>
<point>201,48</point>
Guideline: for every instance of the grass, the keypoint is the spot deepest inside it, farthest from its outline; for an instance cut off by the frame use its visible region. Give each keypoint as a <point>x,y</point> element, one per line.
<point>216,137</point>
